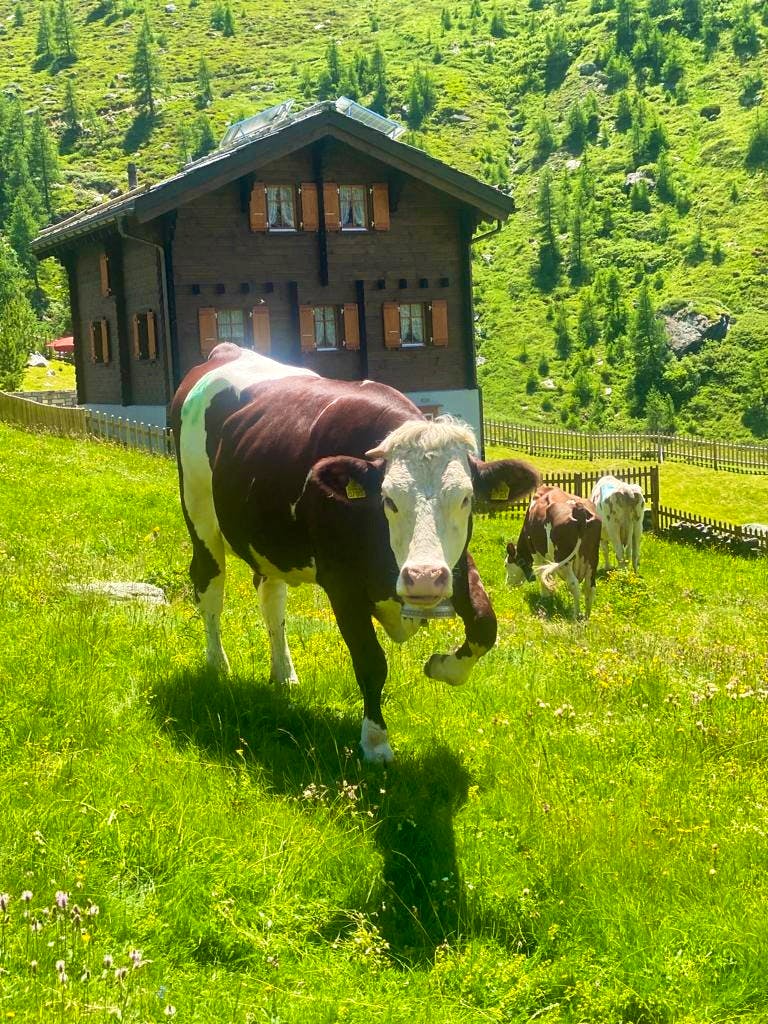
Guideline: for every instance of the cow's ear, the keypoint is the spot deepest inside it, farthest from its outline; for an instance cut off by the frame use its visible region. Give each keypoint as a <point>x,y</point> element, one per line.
<point>511,551</point>
<point>347,479</point>
<point>502,482</point>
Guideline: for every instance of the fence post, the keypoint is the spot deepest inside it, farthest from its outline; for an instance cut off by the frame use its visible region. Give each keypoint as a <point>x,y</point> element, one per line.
<point>577,484</point>
<point>714,454</point>
<point>655,498</point>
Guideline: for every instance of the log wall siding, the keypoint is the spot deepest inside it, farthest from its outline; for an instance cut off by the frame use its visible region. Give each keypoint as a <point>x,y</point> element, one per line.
<point>142,293</point>
<point>101,382</point>
<point>214,246</point>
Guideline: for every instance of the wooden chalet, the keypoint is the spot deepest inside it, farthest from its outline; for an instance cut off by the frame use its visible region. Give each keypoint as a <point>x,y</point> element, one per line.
<point>315,237</point>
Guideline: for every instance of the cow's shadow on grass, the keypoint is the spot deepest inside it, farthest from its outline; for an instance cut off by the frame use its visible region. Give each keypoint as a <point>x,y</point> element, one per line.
<point>411,805</point>
<point>555,605</point>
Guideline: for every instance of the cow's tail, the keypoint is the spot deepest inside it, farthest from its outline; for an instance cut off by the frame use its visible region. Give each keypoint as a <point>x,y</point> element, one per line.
<point>546,572</point>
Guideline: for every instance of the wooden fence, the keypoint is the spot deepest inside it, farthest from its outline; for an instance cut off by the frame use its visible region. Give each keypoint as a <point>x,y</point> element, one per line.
<point>78,422</point>
<point>582,482</point>
<point>687,526</point>
<point>575,444</point>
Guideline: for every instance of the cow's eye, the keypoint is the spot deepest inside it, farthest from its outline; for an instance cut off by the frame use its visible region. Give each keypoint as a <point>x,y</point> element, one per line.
<point>389,504</point>
<point>466,502</point>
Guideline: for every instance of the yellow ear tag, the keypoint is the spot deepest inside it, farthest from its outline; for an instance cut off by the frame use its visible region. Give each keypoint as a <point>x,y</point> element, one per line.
<point>500,492</point>
<point>355,490</point>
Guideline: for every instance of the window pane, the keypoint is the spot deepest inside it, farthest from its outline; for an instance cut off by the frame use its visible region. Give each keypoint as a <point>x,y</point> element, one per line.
<point>353,206</point>
<point>325,327</point>
<point>280,212</point>
<point>412,323</point>
<point>231,324</point>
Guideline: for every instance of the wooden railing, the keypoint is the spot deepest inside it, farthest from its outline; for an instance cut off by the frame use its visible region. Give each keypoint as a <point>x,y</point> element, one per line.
<point>25,412</point>
<point>131,433</point>
<point>575,444</point>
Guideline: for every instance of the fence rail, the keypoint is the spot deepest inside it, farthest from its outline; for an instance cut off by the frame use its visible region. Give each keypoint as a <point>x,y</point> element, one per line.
<point>574,444</point>
<point>25,412</point>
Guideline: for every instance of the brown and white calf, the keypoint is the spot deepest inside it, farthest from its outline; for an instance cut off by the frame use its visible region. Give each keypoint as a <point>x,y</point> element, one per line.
<point>620,506</point>
<point>343,484</point>
<point>560,537</point>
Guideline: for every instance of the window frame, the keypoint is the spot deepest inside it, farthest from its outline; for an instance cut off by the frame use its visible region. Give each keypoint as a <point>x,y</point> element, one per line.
<point>424,324</point>
<point>228,311</point>
<point>279,230</point>
<point>337,347</point>
<point>101,339</point>
<point>365,226</point>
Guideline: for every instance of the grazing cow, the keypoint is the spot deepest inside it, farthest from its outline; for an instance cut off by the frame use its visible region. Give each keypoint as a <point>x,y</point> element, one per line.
<point>344,484</point>
<point>560,537</point>
<point>621,507</point>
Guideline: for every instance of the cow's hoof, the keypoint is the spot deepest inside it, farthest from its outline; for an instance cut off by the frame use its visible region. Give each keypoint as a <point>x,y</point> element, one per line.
<point>447,668</point>
<point>375,744</point>
<point>219,665</point>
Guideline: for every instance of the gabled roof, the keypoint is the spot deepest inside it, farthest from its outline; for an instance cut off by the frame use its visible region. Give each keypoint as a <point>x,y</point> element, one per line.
<point>265,138</point>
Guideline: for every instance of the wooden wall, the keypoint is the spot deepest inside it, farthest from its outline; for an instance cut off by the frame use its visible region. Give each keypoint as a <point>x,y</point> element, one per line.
<point>216,252</point>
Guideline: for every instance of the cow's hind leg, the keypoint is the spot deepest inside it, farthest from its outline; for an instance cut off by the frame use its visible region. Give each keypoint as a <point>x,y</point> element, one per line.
<point>207,573</point>
<point>272,596</point>
<point>471,602</point>
<point>572,582</point>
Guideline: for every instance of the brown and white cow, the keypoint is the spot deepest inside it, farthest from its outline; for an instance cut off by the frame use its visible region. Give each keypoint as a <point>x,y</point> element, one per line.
<point>344,484</point>
<point>621,506</point>
<point>560,537</point>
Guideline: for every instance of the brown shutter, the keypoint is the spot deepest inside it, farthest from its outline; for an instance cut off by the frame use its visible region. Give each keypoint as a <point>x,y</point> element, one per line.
<point>104,274</point>
<point>440,322</point>
<point>351,326</point>
<point>380,204</point>
<point>262,339</point>
<point>136,336</point>
<point>391,312</point>
<point>151,336</point>
<point>258,207</point>
<point>106,355</point>
<point>92,332</point>
<point>209,333</point>
<point>307,328</point>
<point>331,206</point>
<point>310,220</point>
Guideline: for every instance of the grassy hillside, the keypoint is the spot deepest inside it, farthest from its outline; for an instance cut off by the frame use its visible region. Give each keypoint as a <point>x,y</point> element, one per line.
<point>497,72</point>
<point>574,835</point>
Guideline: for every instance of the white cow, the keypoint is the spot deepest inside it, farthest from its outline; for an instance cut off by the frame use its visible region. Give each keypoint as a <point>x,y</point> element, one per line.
<point>621,506</point>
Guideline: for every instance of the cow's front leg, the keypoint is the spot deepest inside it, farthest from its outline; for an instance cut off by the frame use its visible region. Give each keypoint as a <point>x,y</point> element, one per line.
<point>354,620</point>
<point>472,604</point>
<point>272,595</point>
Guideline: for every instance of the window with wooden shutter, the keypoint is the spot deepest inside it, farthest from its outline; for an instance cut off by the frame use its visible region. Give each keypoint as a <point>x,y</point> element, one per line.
<point>439,322</point>
<point>106,286</point>
<point>209,335</point>
<point>391,314</point>
<point>351,322</point>
<point>307,328</point>
<point>151,336</point>
<point>262,338</point>
<point>258,207</point>
<point>310,219</point>
<point>380,206</point>
<point>95,339</point>
<point>331,206</point>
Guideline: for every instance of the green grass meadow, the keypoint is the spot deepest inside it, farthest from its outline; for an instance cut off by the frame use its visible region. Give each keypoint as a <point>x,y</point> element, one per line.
<point>577,835</point>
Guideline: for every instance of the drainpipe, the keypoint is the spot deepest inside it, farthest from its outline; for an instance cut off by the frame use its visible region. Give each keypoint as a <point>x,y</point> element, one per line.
<point>487,234</point>
<point>164,288</point>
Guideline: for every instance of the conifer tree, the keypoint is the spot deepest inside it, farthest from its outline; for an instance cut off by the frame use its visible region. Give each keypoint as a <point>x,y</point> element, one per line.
<point>422,97</point>
<point>44,44</point>
<point>498,27</point>
<point>64,32</point>
<point>625,32</point>
<point>562,331</point>
<point>445,19</point>
<point>71,113</point>
<point>577,264</point>
<point>206,140</point>
<point>556,57</point>
<point>204,95</point>
<point>615,313</point>
<point>623,111</point>
<point>544,140</point>
<point>145,78</point>
<point>588,327</point>
<point>43,162</point>
<point>691,13</point>
<point>380,99</point>
<point>18,16</point>
<point>228,22</point>
<point>21,229</point>
<point>550,256</point>
<point>576,124</point>
<point>745,39</point>
<point>649,347</point>
<point>333,63</point>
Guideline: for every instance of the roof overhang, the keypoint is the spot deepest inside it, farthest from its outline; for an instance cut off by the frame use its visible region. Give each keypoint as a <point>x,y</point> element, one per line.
<point>227,165</point>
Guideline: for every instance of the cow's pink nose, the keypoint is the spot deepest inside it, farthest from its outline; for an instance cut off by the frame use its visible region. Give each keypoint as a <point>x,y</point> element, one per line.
<point>425,581</point>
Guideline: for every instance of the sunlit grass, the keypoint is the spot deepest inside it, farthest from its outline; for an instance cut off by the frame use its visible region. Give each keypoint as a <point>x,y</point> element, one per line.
<point>575,835</point>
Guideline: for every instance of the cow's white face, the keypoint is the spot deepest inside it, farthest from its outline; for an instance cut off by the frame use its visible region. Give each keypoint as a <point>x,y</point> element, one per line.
<point>427,500</point>
<point>515,575</point>
<point>426,493</point>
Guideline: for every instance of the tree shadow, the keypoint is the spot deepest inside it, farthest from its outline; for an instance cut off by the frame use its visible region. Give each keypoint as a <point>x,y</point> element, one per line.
<point>69,139</point>
<point>138,133</point>
<point>421,901</point>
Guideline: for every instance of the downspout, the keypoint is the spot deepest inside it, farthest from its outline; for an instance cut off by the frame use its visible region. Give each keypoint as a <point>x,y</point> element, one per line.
<point>487,234</point>
<point>164,288</point>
